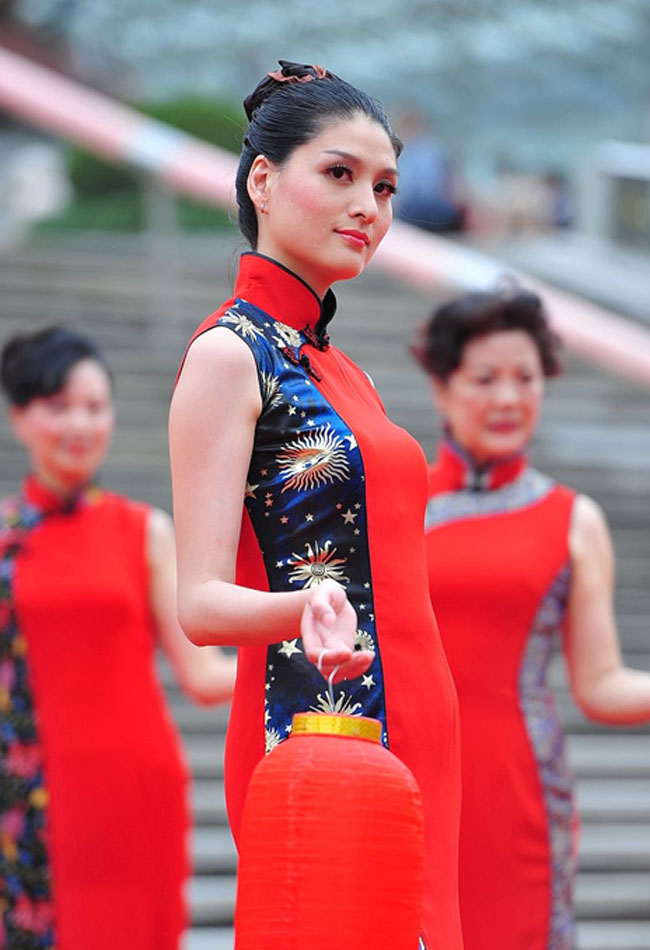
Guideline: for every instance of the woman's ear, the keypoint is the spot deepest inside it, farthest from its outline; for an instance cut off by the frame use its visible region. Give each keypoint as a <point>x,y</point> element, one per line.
<point>17,422</point>
<point>260,182</point>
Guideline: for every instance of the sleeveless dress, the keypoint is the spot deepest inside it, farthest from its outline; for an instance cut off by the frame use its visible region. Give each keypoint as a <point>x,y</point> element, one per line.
<point>93,815</point>
<point>336,490</point>
<point>499,576</point>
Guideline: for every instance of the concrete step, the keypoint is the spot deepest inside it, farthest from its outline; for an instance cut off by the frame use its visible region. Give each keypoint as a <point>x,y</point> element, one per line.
<point>213,851</point>
<point>616,847</point>
<point>625,896</point>
<point>621,756</point>
<point>205,756</point>
<point>613,935</point>
<point>614,800</point>
<point>212,900</point>
<point>223,938</point>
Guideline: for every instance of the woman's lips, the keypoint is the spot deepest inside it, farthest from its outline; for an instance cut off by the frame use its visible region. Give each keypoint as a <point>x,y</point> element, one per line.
<point>504,428</point>
<point>355,238</point>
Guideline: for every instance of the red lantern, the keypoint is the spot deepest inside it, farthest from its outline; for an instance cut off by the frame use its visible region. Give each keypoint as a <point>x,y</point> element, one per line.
<point>331,850</point>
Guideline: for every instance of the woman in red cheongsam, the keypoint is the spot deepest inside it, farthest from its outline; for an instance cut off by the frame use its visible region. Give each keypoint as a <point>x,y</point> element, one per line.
<point>93,816</point>
<point>285,465</point>
<point>514,560</point>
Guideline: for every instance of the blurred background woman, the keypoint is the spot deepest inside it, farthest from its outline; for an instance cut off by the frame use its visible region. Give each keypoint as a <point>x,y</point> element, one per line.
<point>514,560</point>
<point>93,814</point>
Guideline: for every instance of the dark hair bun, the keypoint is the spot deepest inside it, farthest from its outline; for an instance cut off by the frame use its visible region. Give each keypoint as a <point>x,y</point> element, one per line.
<point>289,72</point>
<point>38,364</point>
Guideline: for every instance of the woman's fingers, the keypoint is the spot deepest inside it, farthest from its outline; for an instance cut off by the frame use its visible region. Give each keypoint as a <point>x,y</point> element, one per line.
<point>356,666</point>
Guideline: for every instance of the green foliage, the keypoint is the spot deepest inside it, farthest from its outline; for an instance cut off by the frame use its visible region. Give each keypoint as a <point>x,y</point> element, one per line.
<point>215,121</point>
<point>112,211</point>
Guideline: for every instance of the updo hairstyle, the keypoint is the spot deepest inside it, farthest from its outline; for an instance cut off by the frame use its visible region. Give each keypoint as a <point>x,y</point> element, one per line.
<point>288,108</point>
<point>38,364</point>
<point>439,345</point>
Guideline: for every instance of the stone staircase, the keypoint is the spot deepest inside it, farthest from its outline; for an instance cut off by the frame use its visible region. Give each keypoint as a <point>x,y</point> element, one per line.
<point>140,298</point>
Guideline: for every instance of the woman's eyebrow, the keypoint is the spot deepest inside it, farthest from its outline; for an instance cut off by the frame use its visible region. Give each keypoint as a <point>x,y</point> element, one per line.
<point>354,160</point>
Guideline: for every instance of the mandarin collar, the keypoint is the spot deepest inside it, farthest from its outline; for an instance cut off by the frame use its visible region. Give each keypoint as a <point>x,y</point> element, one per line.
<point>49,502</point>
<point>456,470</point>
<point>285,296</point>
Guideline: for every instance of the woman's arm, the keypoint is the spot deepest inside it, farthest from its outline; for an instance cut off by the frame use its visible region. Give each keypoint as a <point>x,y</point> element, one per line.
<point>212,427</point>
<point>604,688</point>
<point>206,674</point>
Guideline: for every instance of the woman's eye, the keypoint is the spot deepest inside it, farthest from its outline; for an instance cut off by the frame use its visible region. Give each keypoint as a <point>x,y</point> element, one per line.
<point>340,172</point>
<point>386,188</point>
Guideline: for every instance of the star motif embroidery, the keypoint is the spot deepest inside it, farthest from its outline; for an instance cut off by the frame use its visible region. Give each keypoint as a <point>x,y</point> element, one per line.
<point>289,648</point>
<point>291,410</point>
<point>309,517</point>
<point>250,490</point>
<point>349,516</point>
<point>284,520</point>
<point>368,681</point>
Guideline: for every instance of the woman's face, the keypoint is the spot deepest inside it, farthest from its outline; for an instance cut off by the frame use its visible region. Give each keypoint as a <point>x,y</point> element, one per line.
<point>328,206</point>
<point>67,434</point>
<point>492,401</point>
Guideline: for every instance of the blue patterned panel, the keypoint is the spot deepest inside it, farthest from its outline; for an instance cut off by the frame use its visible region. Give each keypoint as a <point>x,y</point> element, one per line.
<point>547,739</point>
<point>306,499</point>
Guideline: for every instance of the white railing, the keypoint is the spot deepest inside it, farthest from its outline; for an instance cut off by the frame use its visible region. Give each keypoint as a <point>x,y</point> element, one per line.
<point>191,167</point>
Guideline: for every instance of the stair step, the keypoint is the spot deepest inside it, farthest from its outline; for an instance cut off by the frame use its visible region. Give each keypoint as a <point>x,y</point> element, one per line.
<point>213,851</point>
<point>615,847</point>
<point>622,756</point>
<point>614,800</point>
<point>613,935</point>
<point>212,900</point>
<point>613,896</point>
<point>223,938</point>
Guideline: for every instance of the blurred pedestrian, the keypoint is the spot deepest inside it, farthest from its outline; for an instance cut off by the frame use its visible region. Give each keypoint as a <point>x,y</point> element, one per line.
<point>515,560</point>
<point>272,422</point>
<point>429,189</point>
<point>93,813</point>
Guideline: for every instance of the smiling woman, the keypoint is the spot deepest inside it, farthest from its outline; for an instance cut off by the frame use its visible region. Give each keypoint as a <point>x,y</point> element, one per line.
<point>516,561</point>
<point>90,766</point>
<point>286,467</point>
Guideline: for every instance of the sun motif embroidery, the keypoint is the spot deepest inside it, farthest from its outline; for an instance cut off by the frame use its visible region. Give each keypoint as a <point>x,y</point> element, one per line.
<point>272,738</point>
<point>342,704</point>
<point>271,393</point>
<point>363,641</point>
<point>320,564</point>
<point>287,336</point>
<point>242,323</point>
<point>314,459</point>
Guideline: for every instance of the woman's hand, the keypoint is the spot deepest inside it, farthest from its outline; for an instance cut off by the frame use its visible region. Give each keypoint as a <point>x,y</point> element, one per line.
<point>328,628</point>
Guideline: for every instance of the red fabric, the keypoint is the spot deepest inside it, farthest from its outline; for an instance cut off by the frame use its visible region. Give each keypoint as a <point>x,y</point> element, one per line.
<point>420,696</point>
<point>487,577</point>
<point>117,814</point>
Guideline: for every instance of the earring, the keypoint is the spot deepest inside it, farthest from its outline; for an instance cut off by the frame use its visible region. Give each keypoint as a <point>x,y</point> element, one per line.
<point>262,207</point>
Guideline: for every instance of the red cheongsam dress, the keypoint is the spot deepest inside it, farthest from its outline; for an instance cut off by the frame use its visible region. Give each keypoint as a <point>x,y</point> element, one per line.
<point>499,576</point>
<point>336,490</point>
<point>93,817</point>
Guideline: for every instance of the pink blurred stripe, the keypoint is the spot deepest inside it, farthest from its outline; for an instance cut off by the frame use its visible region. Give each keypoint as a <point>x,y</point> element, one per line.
<point>46,99</point>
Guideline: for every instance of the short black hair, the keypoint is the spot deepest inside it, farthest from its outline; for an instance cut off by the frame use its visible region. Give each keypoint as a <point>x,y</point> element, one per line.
<point>439,344</point>
<point>38,364</point>
<point>287,109</point>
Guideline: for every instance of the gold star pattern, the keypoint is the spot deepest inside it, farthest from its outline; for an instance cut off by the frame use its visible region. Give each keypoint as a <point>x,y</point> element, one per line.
<point>250,490</point>
<point>349,516</point>
<point>289,647</point>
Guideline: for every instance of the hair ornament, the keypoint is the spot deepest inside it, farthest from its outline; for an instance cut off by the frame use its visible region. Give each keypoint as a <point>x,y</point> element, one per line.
<point>285,74</point>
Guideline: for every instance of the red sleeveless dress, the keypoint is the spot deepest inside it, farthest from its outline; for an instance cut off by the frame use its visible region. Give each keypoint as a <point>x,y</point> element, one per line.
<point>499,575</point>
<point>93,816</point>
<point>335,489</point>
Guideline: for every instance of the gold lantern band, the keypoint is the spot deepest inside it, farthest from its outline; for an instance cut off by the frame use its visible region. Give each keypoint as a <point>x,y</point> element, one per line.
<point>336,724</point>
